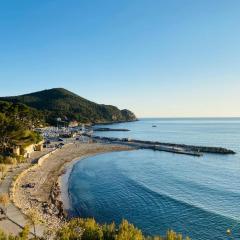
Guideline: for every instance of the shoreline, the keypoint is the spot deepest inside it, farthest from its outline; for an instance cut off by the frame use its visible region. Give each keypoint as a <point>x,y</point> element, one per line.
<point>49,194</point>
<point>63,179</point>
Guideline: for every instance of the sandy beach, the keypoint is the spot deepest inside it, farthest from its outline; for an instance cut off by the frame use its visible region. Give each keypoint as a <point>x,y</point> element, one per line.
<point>64,178</point>
<point>45,187</point>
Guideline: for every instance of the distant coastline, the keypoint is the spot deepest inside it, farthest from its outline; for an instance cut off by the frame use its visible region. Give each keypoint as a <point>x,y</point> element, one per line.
<point>189,118</point>
<point>114,122</point>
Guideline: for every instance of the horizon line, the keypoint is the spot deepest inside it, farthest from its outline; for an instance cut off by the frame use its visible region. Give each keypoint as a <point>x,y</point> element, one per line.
<point>201,117</point>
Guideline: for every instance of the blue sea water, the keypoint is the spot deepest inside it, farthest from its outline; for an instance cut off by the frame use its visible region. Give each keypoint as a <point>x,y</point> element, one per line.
<point>157,191</point>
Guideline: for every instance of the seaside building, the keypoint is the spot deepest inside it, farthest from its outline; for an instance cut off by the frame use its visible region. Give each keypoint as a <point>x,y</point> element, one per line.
<point>26,151</point>
<point>73,124</point>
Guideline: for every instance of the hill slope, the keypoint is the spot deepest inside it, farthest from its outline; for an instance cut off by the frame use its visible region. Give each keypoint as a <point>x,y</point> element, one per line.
<point>61,103</point>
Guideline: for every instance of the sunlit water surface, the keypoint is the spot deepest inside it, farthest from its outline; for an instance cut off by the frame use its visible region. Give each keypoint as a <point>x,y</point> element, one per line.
<point>197,196</point>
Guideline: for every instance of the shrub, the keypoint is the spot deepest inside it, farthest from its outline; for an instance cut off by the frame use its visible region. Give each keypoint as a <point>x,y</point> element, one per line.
<point>23,235</point>
<point>20,159</point>
<point>128,231</point>
<point>8,160</point>
<point>109,231</point>
<point>88,229</point>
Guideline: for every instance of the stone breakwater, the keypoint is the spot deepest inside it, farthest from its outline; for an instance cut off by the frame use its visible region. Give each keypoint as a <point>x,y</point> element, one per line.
<point>111,130</point>
<point>167,147</point>
<point>113,122</point>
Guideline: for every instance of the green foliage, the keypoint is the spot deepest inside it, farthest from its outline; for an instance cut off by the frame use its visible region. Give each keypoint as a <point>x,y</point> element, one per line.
<point>25,232</point>
<point>109,231</point>
<point>171,235</point>
<point>23,235</point>
<point>29,117</point>
<point>60,103</point>
<point>3,236</point>
<point>16,122</point>
<point>11,159</point>
<point>88,229</point>
<point>92,230</point>
<point>3,169</point>
<point>128,231</point>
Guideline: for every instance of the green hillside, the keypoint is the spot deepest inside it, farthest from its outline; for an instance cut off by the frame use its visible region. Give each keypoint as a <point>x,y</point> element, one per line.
<point>61,103</point>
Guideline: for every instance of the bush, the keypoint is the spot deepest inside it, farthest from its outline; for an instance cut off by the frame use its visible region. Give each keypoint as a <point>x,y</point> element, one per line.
<point>23,235</point>
<point>88,229</point>
<point>109,231</point>
<point>7,160</point>
<point>20,159</point>
<point>128,231</point>
<point>25,232</point>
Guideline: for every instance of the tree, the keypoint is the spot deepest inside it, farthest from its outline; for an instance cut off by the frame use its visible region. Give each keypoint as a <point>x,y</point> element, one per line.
<point>10,131</point>
<point>13,132</point>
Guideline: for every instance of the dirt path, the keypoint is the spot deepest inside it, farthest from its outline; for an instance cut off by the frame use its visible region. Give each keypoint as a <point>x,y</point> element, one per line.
<point>16,219</point>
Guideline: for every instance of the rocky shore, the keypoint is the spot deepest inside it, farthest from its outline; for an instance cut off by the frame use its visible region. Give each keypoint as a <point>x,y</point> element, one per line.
<point>55,205</point>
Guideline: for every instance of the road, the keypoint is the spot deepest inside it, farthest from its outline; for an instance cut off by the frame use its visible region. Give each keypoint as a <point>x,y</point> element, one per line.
<point>16,220</point>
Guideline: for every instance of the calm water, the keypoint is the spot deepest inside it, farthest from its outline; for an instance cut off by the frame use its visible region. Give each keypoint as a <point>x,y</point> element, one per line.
<point>155,190</point>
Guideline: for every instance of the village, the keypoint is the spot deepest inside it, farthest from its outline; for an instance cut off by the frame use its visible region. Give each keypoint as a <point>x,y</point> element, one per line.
<point>55,137</point>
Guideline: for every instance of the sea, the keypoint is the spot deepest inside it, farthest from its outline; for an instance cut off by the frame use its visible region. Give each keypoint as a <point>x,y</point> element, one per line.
<point>156,191</point>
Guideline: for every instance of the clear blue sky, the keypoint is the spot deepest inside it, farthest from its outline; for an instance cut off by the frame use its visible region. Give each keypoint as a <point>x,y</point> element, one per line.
<point>157,57</point>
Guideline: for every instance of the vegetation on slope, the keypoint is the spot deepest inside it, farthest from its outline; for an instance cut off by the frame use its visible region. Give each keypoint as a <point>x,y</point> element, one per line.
<point>88,229</point>
<point>16,128</point>
<point>29,117</point>
<point>61,103</point>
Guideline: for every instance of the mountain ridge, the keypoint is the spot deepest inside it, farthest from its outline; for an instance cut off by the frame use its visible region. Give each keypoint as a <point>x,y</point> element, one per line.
<point>64,104</point>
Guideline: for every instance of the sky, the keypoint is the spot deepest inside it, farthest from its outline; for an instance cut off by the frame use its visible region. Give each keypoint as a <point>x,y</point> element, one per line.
<point>158,58</point>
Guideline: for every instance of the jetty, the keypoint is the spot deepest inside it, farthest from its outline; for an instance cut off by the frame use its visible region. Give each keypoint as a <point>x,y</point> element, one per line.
<point>185,149</point>
<point>111,130</point>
